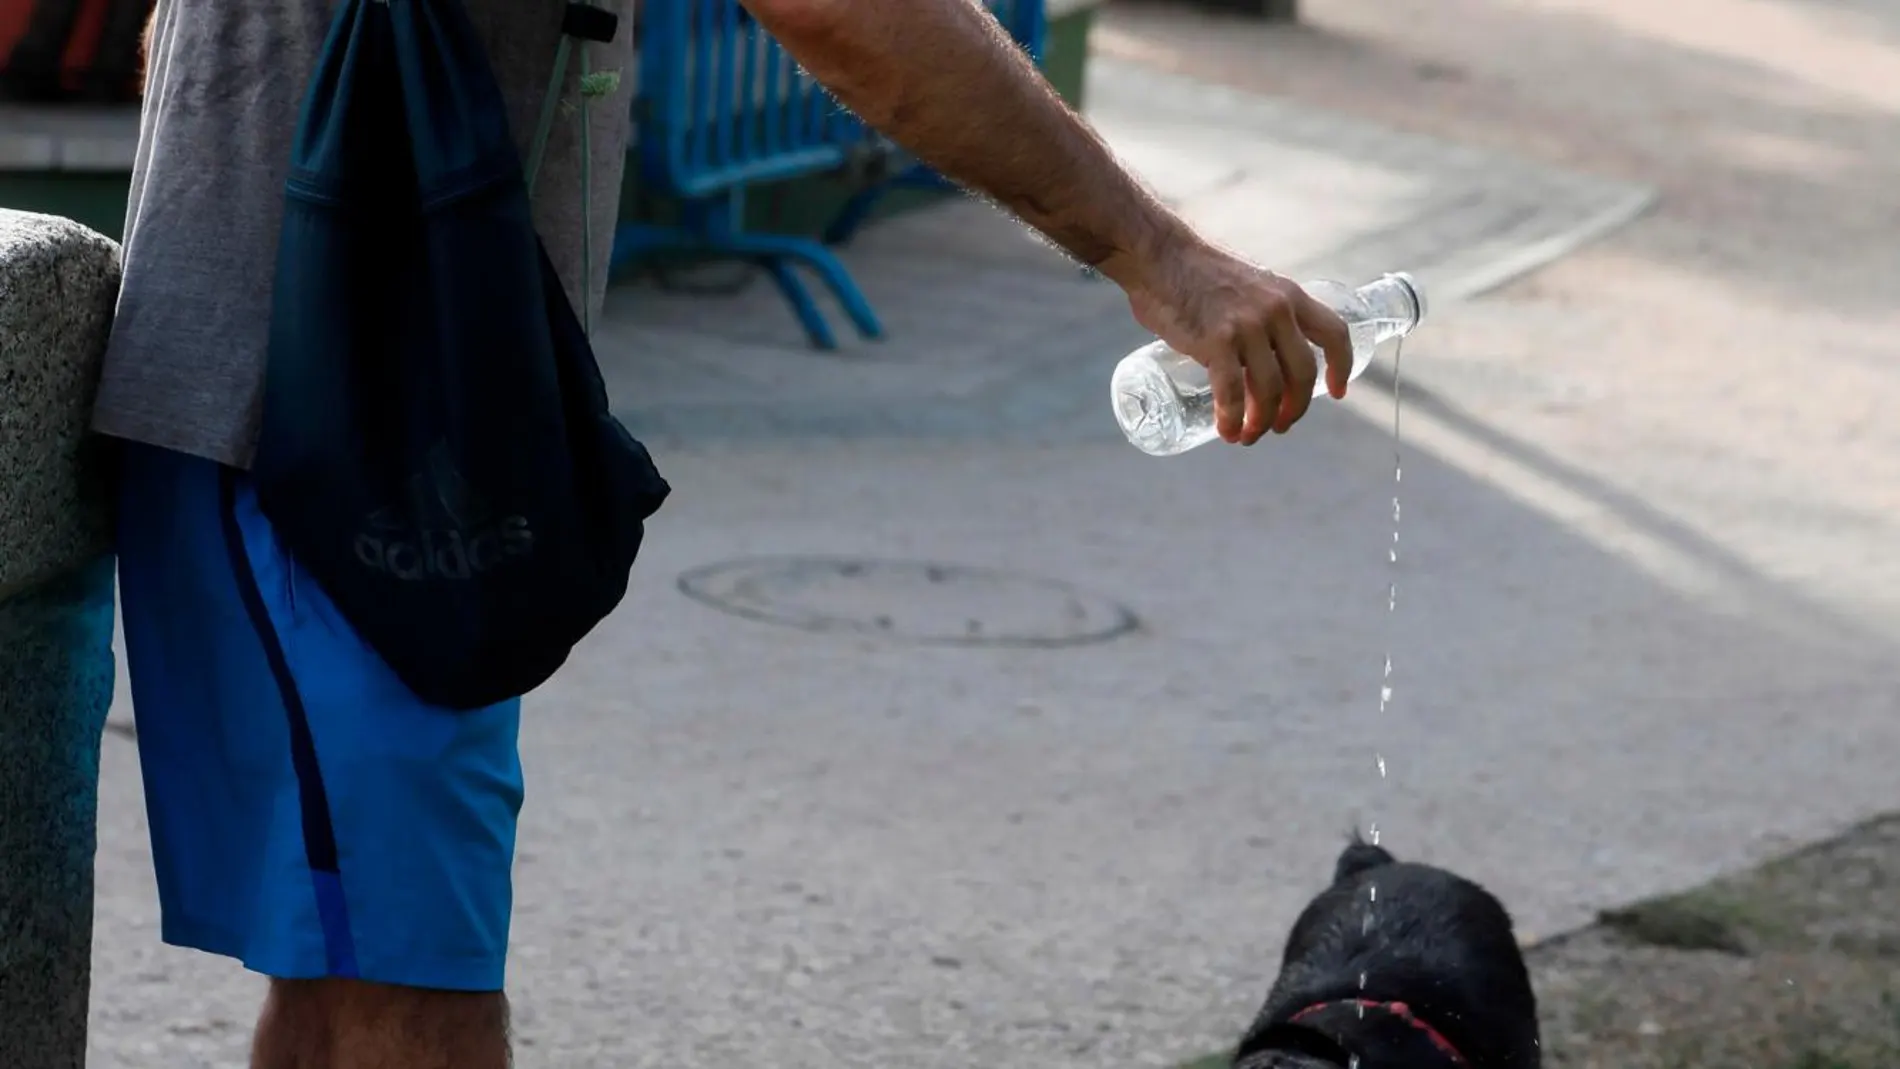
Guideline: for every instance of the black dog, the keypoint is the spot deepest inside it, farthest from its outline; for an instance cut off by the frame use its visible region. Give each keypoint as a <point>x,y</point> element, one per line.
<point>1397,966</point>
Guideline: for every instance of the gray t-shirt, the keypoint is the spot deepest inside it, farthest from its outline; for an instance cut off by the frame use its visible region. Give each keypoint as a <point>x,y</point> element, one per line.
<point>224,85</point>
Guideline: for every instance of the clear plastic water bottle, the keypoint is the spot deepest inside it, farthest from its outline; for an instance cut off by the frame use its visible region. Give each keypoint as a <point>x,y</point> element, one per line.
<point>1165,404</point>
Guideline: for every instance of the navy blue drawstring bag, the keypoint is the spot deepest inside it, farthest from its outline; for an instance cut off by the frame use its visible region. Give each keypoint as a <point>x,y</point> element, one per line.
<point>437,450</point>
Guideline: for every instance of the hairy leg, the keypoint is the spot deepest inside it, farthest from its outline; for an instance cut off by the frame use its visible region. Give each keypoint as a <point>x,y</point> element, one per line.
<point>352,1024</point>
<point>292,1030</point>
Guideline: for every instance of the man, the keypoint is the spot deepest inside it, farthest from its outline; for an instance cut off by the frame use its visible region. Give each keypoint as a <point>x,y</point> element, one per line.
<point>309,816</point>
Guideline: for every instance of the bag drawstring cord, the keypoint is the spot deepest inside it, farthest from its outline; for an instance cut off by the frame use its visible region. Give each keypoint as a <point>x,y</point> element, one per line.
<point>538,149</point>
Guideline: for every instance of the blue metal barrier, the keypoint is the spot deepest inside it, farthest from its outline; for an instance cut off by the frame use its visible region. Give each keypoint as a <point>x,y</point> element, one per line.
<point>1025,20</point>
<point>721,106</point>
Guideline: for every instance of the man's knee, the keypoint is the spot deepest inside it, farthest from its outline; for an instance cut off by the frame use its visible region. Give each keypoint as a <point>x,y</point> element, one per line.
<point>371,1020</point>
<point>363,1000</point>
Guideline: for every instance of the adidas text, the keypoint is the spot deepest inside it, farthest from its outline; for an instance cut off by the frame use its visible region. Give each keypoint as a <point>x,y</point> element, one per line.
<point>447,554</point>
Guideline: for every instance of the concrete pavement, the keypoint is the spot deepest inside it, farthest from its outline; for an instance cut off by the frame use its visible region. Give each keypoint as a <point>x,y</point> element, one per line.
<point>815,844</point>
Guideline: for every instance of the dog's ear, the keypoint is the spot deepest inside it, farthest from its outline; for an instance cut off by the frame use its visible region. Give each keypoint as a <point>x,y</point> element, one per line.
<point>1360,856</point>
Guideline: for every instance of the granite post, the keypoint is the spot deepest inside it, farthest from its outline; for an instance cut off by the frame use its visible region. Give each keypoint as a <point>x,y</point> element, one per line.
<point>58,284</point>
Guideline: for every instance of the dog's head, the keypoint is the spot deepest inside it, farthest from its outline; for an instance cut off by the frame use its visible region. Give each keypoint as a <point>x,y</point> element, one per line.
<point>1397,966</point>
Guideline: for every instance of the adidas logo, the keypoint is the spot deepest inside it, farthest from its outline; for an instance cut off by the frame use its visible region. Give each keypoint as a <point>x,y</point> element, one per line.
<point>447,532</point>
<point>450,554</point>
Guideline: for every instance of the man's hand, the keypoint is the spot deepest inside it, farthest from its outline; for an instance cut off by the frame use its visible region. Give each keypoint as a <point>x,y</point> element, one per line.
<point>1253,330</point>
<point>941,78</point>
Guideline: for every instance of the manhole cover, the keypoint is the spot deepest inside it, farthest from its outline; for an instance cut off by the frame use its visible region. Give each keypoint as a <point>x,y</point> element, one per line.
<point>917,601</point>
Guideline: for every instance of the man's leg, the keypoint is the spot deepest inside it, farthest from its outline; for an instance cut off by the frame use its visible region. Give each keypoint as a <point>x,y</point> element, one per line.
<point>309,815</point>
<point>292,1032</point>
<point>349,1024</point>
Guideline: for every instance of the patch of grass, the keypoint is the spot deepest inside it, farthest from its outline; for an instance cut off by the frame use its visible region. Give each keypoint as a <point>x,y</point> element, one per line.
<point>1683,922</point>
<point>1594,1011</point>
<point>1212,1061</point>
<point>1727,917</point>
<point>1810,1060</point>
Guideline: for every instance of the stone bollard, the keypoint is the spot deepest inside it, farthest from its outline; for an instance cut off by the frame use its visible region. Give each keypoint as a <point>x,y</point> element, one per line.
<point>58,284</point>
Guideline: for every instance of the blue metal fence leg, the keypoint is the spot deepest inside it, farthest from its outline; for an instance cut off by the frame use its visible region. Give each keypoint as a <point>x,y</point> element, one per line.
<point>854,213</point>
<point>845,288</point>
<point>780,252</point>
<point>801,301</point>
<point>714,227</point>
<point>724,108</point>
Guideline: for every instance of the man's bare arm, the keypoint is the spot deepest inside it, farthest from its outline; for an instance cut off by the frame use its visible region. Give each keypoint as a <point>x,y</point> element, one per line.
<point>942,79</point>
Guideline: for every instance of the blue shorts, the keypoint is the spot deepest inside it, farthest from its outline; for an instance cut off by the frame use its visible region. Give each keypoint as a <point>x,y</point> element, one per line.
<point>310,816</point>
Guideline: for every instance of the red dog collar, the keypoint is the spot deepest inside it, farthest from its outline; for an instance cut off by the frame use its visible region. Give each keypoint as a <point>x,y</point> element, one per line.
<point>1351,1022</point>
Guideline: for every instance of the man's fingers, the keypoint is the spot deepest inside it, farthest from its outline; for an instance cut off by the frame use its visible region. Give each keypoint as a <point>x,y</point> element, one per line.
<point>1298,369</point>
<point>1265,385</point>
<point>1323,327</point>
<point>1224,373</point>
